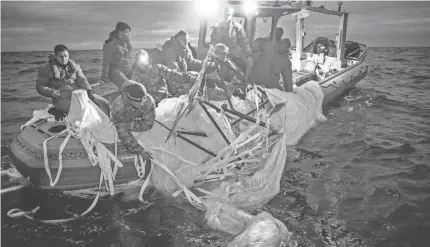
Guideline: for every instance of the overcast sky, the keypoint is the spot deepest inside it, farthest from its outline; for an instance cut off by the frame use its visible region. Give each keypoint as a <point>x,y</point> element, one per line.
<point>38,26</point>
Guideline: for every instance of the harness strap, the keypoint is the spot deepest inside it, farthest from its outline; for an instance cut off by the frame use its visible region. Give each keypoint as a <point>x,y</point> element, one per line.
<point>45,158</point>
<point>146,183</point>
<point>16,212</point>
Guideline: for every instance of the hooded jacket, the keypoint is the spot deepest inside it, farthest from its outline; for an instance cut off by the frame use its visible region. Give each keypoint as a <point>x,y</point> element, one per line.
<point>116,55</point>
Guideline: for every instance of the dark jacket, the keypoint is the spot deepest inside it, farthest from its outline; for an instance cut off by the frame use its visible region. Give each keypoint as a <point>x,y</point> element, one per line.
<point>178,58</point>
<point>271,64</point>
<point>116,55</point>
<point>65,79</point>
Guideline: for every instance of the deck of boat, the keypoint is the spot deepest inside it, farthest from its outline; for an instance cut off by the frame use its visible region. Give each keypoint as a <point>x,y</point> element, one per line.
<point>303,76</point>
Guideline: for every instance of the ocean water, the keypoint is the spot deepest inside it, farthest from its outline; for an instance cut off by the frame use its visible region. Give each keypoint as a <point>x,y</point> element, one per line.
<point>363,177</point>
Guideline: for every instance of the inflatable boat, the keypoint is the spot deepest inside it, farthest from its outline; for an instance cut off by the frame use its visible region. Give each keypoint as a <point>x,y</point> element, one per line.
<point>337,68</point>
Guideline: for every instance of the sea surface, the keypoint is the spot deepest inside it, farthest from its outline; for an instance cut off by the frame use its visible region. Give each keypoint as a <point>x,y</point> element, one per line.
<point>362,179</point>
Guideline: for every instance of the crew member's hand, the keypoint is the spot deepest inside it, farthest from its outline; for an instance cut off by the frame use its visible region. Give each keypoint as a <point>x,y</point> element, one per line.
<point>249,65</point>
<point>146,155</point>
<point>229,89</point>
<point>55,94</point>
<point>101,81</point>
<point>192,75</point>
<point>172,88</point>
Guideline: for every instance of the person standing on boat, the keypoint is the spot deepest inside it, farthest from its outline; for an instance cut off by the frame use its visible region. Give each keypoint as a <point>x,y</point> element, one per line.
<point>133,111</point>
<point>157,78</point>
<point>233,35</point>
<point>59,78</point>
<point>274,62</point>
<point>259,43</point>
<point>117,48</point>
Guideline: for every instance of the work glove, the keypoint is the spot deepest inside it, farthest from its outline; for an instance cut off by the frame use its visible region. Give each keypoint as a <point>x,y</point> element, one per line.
<point>102,81</point>
<point>90,94</point>
<point>59,116</point>
<point>192,75</point>
<point>55,94</point>
<point>229,89</point>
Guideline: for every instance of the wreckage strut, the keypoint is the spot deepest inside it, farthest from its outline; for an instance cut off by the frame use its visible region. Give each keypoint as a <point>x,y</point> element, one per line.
<point>188,140</point>
<point>250,112</point>
<point>214,122</point>
<point>236,113</point>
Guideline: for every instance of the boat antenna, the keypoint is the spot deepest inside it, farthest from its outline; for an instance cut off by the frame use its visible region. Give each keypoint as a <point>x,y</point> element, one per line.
<point>340,5</point>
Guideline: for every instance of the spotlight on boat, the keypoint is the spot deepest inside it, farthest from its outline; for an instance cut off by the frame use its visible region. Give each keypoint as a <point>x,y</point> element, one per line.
<point>250,7</point>
<point>208,8</point>
<point>142,59</point>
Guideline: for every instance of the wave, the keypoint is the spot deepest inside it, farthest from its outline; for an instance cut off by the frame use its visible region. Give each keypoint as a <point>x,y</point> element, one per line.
<point>38,62</point>
<point>5,150</point>
<point>5,91</point>
<point>307,154</point>
<point>382,100</point>
<point>13,62</point>
<point>379,151</point>
<point>420,78</point>
<point>398,60</point>
<point>9,98</point>
<point>27,71</point>
<point>424,141</point>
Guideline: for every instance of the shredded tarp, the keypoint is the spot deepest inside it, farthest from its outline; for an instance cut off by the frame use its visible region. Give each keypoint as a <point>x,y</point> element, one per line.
<point>215,184</point>
<point>40,114</point>
<point>226,190</point>
<point>90,125</point>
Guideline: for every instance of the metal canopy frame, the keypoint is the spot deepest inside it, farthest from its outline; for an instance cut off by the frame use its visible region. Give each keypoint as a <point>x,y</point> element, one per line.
<point>277,9</point>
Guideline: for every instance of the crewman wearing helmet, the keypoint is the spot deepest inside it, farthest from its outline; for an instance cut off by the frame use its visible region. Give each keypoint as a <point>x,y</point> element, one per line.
<point>133,111</point>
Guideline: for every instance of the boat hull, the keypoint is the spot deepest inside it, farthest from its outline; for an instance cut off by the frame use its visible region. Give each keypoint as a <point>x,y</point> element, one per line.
<point>343,81</point>
<point>77,172</point>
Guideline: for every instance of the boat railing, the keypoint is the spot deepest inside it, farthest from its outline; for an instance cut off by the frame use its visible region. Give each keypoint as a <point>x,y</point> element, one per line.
<point>275,3</point>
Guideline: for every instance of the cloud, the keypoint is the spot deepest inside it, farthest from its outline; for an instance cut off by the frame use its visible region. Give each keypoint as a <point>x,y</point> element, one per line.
<point>420,21</point>
<point>85,25</point>
<point>22,29</point>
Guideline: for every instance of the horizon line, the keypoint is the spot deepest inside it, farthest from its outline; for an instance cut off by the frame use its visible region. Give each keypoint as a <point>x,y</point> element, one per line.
<point>156,48</point>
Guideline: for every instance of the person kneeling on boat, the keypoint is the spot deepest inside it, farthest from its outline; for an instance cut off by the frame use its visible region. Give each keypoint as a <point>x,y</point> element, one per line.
<point>59,78</point>
<point>220,83</point>
<point>274,62</point>
<point>157,78</point>
<point>133,111</point>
